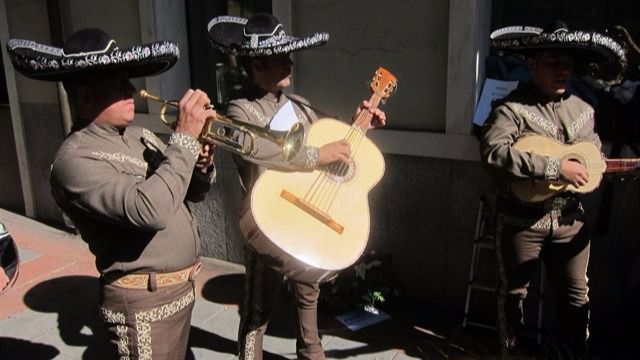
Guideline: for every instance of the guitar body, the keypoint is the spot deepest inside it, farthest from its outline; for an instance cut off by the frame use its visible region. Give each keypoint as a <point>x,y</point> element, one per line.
<point>586,154</point>
<point>327,246</point>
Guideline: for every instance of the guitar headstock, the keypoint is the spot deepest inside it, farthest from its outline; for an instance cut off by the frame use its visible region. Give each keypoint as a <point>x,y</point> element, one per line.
<point>384,83</point>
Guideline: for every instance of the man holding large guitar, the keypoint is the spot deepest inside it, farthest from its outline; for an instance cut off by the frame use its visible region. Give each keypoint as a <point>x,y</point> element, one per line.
<point>264,49</point>
<point>550,228</point>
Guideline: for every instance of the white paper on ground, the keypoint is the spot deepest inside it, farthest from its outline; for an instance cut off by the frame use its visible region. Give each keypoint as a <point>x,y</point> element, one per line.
<point>357,319</point>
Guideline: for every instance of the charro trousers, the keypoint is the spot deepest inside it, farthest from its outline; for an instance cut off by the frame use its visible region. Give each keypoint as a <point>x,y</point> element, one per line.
<point>564,248</point>
<point>145,324</point>
<point>262,285</point>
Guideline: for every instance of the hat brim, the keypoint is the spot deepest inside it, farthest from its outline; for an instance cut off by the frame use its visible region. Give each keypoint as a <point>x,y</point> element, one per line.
<point>43,62</point>
<point>585,47</point>
<point>226,34</point>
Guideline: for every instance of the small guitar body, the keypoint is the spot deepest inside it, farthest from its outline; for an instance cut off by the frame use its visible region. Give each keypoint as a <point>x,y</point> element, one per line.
<point>317,223</point>
<point>587,154</point>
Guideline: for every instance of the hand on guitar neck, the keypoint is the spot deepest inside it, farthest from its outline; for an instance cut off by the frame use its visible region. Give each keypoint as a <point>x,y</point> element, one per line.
<point>574,173</point>
<point>378,117</point>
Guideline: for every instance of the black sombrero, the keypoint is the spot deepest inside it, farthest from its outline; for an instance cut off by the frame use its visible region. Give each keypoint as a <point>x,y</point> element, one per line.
<point>89,51</point>
<point>588,47</point>
<point>260,35</point>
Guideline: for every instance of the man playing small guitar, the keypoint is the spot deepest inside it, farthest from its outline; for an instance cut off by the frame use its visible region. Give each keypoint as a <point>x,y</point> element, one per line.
<point>543,107</point>
<point>264,49</point>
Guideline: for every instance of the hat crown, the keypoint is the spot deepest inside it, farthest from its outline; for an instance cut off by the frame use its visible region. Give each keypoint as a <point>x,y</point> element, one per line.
<point>260,35</point>
<point>556,26</point>
<point>87,41</point>
<point>262,24</point>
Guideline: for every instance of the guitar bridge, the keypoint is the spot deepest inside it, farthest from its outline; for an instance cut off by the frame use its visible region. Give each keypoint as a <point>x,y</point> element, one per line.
<point>311,210</point>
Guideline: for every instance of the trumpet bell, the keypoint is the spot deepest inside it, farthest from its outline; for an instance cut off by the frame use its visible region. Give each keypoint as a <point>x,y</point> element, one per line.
<point>293,141</point>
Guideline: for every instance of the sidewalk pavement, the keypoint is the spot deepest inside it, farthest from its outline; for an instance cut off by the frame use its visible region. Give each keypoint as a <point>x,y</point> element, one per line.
<point>51,312</point>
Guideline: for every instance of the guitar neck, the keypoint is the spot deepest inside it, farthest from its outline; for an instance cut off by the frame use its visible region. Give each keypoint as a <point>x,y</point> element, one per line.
<point>622,165</point>
<point>363,119</point>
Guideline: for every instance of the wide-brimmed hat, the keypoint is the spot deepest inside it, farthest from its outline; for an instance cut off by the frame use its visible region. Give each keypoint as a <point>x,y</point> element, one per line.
<point>89,51</point>
<point>585,46</point>
<point>260,35</point>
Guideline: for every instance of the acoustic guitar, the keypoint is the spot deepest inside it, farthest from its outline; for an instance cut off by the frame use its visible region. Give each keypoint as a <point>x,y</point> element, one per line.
<point>587,154</point>
<point>321,218</point>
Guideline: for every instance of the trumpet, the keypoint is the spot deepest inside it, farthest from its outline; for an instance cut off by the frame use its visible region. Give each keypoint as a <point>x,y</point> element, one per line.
<point>237,136</point>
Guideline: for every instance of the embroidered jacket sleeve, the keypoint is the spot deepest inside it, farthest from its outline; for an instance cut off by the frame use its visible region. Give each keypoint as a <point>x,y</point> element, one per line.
<point>500,131</point>
<point>84,181</point>
<point>582,126</point>
<point>268,153</point>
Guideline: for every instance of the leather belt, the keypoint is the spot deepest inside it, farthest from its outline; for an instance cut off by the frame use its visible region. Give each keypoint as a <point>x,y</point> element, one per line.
<point>153,280</point>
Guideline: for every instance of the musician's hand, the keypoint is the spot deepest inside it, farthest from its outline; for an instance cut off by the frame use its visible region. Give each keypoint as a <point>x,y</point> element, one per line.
<point>574,173</point>
<point>193,112</point>
<point>205,159</point>
<point>338,150</point>
<point>378,119</point>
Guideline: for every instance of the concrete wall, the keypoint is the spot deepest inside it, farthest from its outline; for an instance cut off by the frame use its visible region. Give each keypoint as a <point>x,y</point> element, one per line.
<point>38,127</point>
<point>10,179</point>
<point>423,210</point>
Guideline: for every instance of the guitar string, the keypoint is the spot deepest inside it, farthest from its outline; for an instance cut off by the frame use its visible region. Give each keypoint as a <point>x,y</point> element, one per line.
<point>324,189</point>
<point>339,170</point>
<point>359,136</point>
<point>327,188</point>
<point>327,196</point>
<point>344,167</point>
<point>319,194</point>
<point>316,193</point>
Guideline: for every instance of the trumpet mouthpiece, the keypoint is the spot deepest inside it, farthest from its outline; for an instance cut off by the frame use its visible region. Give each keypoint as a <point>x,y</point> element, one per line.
<point>146,95</point>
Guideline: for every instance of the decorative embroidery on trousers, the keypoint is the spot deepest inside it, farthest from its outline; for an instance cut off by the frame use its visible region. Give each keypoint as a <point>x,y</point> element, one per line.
<point>252,313</point>
<point>502,288</point>
<point>143,321</point>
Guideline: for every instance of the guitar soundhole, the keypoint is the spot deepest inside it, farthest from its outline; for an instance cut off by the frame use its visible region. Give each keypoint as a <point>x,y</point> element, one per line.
<point>340,171</point>
<point>577,159</point>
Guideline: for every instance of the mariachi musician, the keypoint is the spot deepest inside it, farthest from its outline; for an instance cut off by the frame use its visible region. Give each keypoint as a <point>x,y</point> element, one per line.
<point>264,48</point>
<point>126,190</point>
<point>552,230</point>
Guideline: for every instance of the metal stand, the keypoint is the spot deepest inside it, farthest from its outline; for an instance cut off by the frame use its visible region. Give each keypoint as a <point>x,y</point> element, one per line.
<point>484,240</point>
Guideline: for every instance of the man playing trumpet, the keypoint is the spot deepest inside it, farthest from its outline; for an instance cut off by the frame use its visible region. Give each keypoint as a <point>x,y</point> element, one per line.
<point>125,190</point>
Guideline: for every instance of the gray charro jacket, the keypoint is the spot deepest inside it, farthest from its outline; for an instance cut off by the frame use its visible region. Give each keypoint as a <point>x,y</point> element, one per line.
<point>524,111</point>
<point>258,109</point>
<point>126,193</point>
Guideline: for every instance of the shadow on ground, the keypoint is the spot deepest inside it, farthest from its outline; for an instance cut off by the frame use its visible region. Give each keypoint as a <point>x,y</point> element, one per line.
<point>417,332</point>
<point>79,324</point>
<point>11,348</point>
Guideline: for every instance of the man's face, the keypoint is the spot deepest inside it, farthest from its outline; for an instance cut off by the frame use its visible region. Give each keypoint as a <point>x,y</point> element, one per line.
<point>551,71</point>
<point>273,73</point>
<point>112,99</point>
<point>117,96</point>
